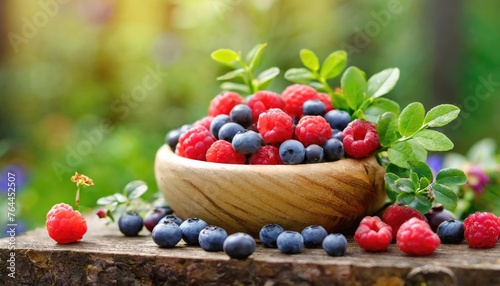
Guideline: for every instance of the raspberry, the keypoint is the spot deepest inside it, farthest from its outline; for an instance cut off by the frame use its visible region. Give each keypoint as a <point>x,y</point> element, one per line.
<point>262,101</point>
<point>205,122</point>
<point>194,143</point>
<point>266,155</point>
<point>223,103</point>
<point>275,126</point>
<point>223,152</point>
<point>313,130</point>
<point>395,215</point>
<point>415,237</point>
<point>482,230</point>
<point>295,95</point>
<point>360,138</point>
<point>325,98</point>
<point>373,234</point>
<point>64,224</point>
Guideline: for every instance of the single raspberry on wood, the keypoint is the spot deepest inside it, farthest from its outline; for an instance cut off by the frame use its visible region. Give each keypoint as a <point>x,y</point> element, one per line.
<point>194,143</point>
<point>266,155</point>
<point>373,234</point>
<point>482,229</point>
<point>360,138</point>
<point>223,152</point>
<point>295,95</point>
<point>264,100</point>
<point>275,126</point>
<point>415,237</point>
<point>64,224</point>
<point>395,215</point>
<point>313,130</point>
<point>223,103</point>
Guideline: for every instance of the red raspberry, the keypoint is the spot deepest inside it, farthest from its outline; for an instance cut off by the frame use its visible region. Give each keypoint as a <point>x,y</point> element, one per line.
<point>360,138</point>
<point>275,126</point>
<point>266,155</point>
<point>395,215</point>
<point>194,143</point>
<point>325,98</point>
<point>223,152</point>
<point>415,237</point>
<point>205,122</point>
<point>264,100</point>
<point>295,95</point>
<point>482,229</point>
<point>224,102</point>
<point>313,130</point>
<point>373,234</point>
<point>65,225</point>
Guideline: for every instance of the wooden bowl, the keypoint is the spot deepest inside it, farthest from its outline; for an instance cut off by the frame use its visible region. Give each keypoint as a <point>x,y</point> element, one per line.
<point>244,198</point>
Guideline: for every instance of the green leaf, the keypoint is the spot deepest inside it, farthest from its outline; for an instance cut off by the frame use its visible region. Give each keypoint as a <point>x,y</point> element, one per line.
<point>381,105</point>
<point>110,215</point>
<point>254,57</point>
<point>433,140</point>
<point>398,171</point>
<point>106,200</point>
<point>445,196</point>
<point>339,101</point>
<point>309,59</point>
<point>390,186</point>
<point>414,180</point>
<point>300,75</point>
<point>451,177</point>
<point>242,88</point>
<point>405,185</point>
<point>404,153</point>
<point>232,74</point>
<point>422,204</point>
<point>424,183</point>
<point>225,56</point>
<point>333,64</point>
<point>135,189</point>
<point>441,115</point>
<point>120,198</point>
<point>317,85</point>
<point>423,170</point>
<point>266,77</point>
<point>383,82</point>
<point>387,128</point>
<point>405,198</point>
<point>411,119</point>
<point>353,84</point>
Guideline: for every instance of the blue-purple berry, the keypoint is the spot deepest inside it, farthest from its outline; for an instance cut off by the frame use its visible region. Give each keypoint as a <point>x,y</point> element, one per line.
<point>313,236</point>
<point>313,107</point>
<point>211,238</point>
<point>191,230</point>
<point>290,242</point>
<point>217,123</point>
<point>451,231</point>
<point>269,234</point>
<point>241,114</point>
<point>130,224</point>
<point>239,245</point>
<point>166,234</point>
<point>247,142</point>
<point>335,244</point>
<point>338,119</point>
<point>334,150</point>
<point>314,154</point>
<point>172,217</point>
<point>228,130</point>
<point>292,152</point>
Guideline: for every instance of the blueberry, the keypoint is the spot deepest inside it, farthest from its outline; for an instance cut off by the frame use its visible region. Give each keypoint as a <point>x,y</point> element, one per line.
<point>335,244</point>
<point>290,242</point>
<point>172,138</point>
<point>313,236</point>
<point>337,134</point>
<point>314,107</point>
<point>338,119</point>
<point>239,245</point>
<point>269,233</point>
<point>172,217</point>
<point>247,142</point>
<point>437,215</point>
<point>292,152</point>
<point>241,114</point>
<point>314,153</point>
<point>191,230</point>
<point>130,224</point>
<point>167,234</point>
<point>334,150</point>
<point>153,217</point>
<point>217,123</point>
<point>212,238</point>
<point>451,232</point>
<point>228,130</point>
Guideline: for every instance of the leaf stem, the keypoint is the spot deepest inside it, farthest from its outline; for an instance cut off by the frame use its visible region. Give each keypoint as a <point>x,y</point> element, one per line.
<point>249,78</point>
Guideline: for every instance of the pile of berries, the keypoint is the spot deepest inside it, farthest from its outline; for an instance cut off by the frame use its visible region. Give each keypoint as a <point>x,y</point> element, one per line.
<point>298,126</point>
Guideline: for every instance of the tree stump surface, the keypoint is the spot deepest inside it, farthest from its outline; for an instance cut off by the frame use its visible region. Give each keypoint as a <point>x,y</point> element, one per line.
<point>106,257</point>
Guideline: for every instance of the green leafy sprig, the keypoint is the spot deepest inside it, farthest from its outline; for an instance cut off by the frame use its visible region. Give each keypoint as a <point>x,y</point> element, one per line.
<point>244,70</point>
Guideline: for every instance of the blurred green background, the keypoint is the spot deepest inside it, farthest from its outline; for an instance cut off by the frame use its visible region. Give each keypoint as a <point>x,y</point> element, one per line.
<point>143,67</point>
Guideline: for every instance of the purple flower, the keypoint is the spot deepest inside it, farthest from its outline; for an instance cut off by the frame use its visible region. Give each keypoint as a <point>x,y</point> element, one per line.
<point>436,163</point>
<point>477,178</point>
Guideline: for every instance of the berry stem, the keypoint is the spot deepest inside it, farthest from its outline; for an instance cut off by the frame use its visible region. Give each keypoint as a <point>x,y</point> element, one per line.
<point>249,77</point>
<point>77,199</point>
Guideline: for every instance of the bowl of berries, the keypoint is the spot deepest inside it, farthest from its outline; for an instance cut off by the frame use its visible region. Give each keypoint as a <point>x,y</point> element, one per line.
<point>310,155</point>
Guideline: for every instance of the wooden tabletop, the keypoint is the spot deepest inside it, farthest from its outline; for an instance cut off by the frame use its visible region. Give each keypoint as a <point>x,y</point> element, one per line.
<point>106,257</point>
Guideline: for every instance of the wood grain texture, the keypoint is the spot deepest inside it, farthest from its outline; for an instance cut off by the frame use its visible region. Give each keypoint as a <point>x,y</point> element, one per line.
<point>245,198</point>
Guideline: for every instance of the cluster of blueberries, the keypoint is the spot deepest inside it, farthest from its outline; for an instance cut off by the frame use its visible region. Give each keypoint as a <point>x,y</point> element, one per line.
<point>194,231</point>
